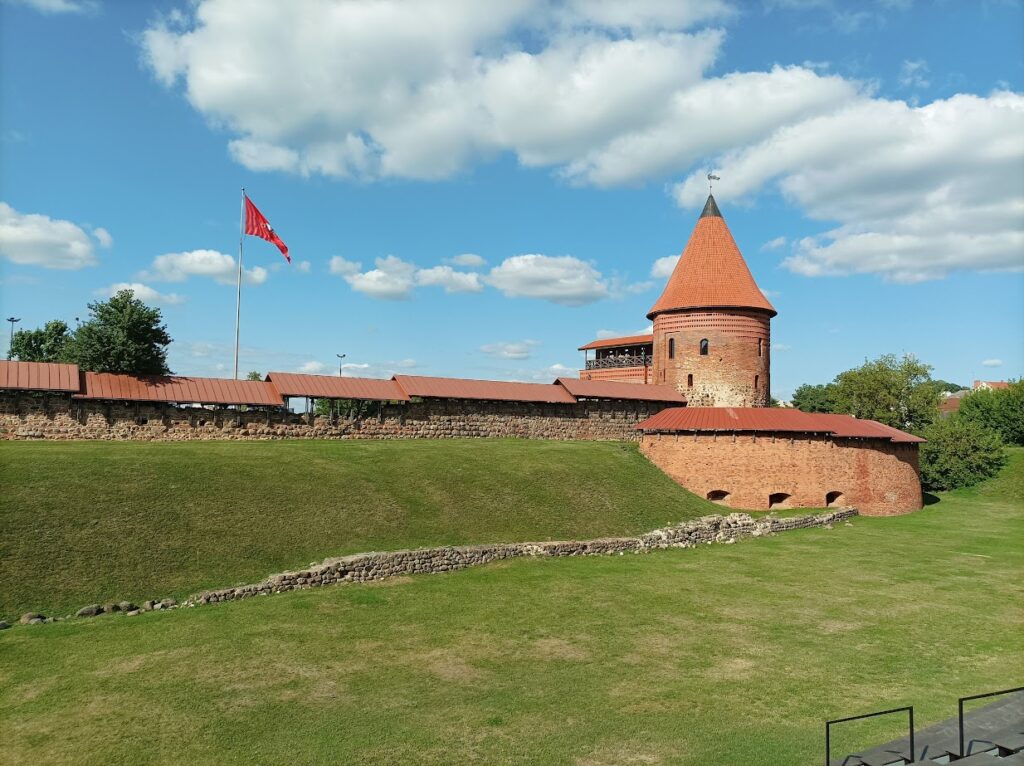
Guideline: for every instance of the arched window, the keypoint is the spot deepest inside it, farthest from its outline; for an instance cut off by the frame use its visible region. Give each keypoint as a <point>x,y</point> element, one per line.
<point>689,381</point>
<point>778,500</point>
<point>718,496</point>
<point>757,379</point>
<point>671,348</point>
<point>832,499</point>
<point>704,347</point>
<point>760,346</point>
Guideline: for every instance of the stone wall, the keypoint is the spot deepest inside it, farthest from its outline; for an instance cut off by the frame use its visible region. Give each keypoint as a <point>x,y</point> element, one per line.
<point>739,355</point>
<point>879,477</point>
<point>365,567</point>
<point>55,416</point>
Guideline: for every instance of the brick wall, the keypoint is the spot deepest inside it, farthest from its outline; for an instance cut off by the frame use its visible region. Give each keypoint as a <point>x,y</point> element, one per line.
<point>879,477</point>
<point>739,355</point>
<point>53,416</point>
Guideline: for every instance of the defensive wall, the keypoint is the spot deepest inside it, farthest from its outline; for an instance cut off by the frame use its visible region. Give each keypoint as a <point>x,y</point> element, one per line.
<point>790,460</point>
<point>57,416</point>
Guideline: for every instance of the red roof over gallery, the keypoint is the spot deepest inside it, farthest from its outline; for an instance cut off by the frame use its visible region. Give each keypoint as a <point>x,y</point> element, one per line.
<point>489,390</point>
<point>769,420</point>
<point>627,340</point>
<point>711,272</point>
<point>38,376</point>
<point>176,388</point>
<point>331,387</point>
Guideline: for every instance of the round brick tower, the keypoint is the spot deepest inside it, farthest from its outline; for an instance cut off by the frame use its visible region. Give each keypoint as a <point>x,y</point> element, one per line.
<point>712,324</point>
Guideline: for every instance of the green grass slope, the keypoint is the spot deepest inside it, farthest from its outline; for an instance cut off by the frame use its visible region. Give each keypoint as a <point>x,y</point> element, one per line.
<point>722,654</point>
<point>82,522</point>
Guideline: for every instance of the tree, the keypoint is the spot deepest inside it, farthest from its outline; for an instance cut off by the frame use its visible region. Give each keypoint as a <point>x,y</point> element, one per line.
<point>817,398</point>
<point>959,453</point>
<point>1001,411</point>
<point>945,387</point>
<point>254,375</point>
<point>122,335</point>
<point>896,391</point>
<point>50,343</point>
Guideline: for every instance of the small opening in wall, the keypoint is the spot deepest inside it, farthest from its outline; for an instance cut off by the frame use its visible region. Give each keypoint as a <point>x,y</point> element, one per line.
<point>760,346</point>
<point>704,347</point>
<point>757,380</point>
<point>778,500</point>
<point>833,499</point>
<point>718,496</point>
<point>671,348</point>
<point>689,381</point>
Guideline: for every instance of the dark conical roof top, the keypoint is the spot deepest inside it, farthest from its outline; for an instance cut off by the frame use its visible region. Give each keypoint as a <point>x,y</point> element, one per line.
<point>711,272</point>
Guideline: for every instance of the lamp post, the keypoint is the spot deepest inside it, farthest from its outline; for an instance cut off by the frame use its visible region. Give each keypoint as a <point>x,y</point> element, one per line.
<point>10,346</point>
<point>336,403</point>
<point>340,357</point>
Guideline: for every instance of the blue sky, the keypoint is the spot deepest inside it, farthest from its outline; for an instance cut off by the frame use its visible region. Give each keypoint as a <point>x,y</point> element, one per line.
<point>519,168</point>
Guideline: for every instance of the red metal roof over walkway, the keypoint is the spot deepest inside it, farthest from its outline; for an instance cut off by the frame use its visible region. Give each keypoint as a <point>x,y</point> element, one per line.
<point>175,388</point>
<point>331,387</point>
<point>38,376</point>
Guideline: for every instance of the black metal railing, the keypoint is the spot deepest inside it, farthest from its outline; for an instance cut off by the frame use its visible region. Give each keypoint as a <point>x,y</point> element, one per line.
<point>640,360</point>
<point>828,728</point>
<point>960,709</point>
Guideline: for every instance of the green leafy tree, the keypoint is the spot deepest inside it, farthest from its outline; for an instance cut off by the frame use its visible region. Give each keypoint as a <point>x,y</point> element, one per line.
<point>959,453</point>
<point>1001,411</point>
<point>254,375</point>
<point>122,335</point>
<point>809,398</point>
<point>945,387</point>
<point>49,343</point>
<point>896,391</point>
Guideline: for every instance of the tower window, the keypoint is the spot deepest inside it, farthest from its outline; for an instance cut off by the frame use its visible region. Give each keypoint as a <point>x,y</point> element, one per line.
<point>689,381</point>
<point>704,347</point>
<point>760,346</point>
<point>671,348</point>
<point>757,379</point>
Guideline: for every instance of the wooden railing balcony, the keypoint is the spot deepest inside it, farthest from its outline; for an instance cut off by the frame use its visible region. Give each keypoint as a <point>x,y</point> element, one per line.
<point>607,362</point>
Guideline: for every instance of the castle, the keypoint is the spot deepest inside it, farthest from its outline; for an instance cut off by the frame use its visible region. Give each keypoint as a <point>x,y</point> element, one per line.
<point>694,393</point>
<point>712,328</point>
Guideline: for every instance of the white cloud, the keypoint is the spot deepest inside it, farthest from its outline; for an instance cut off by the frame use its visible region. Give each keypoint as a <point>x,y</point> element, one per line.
<point>57,6</point>
<point>662,268</point>
<point>606,334</point>
<point>992,363</point>
<point>144,293</point>
<point>560,279</point>
<point>303,266</point>
<point>38,240</point>
<point>342,267</point>
<point>510,350</point>
<point>222,268</point>
<point>918,192</point>
<point>312,367</point>
<point>103,237</point>
<point>451,280</point>
<point>470,260</point>
<point>392,280</point>
<point>914,74</point>
<point>774,244</point>
<point>780,347</point>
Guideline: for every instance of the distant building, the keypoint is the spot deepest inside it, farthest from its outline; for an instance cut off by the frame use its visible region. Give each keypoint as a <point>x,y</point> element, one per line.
<point>990,385</point>
<point>951,401</point>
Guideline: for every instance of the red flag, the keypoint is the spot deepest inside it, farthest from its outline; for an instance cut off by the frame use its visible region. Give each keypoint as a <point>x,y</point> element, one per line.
<point>257,225</point>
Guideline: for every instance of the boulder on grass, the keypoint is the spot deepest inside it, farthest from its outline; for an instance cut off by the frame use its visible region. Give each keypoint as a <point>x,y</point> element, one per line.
<point>30,618</point>
<point>89,611</point>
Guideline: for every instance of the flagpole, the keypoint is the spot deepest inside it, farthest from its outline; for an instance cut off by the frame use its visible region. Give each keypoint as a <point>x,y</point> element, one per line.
<point>238,287</point>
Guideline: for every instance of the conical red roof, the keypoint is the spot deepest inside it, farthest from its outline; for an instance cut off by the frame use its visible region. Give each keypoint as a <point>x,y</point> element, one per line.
<point>711,272</point>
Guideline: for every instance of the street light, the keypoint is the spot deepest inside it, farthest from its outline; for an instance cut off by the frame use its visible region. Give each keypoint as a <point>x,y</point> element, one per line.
<point>340,357</point>
<point>10,347</point>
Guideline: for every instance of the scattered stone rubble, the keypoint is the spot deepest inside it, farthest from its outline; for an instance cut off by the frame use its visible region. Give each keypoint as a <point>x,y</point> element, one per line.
<point>368,567</point>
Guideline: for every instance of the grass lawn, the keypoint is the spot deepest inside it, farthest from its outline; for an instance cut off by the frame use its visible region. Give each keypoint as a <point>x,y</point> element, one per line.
<point>721,655</point>
<point>82,522</point>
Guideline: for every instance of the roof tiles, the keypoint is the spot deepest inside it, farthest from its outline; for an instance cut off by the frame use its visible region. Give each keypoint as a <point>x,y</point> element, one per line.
<point>770,419</point>
<point>175,388</point>
<point>330,387</point>
<point>38,376</point>
<point>491,390</point>
<point>711,272</point>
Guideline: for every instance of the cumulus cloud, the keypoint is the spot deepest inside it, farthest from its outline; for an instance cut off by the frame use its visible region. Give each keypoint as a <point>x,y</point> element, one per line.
<point>918,192</point>
<point>510,349</point>
<point>914,74</point>
<point>662,268</point>
<point>560,279</point>
<point>144,293</point>
<point>774,244</point>
<point>312,367</point>
<point>392,280</point>
<point>222,268</point>
<point>992,363</point>
<point>470,260</point>
<point>342,267</point>
<point>303,266</point>
<point>38,240</point>
<point>451,280</point>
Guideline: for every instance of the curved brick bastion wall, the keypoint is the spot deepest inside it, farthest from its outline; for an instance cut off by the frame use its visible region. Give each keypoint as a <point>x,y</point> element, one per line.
<point>748,471</point>
<point>57,416</point>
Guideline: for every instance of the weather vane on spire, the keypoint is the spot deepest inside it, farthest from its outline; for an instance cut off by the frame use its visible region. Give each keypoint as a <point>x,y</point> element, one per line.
<point>712,177</point>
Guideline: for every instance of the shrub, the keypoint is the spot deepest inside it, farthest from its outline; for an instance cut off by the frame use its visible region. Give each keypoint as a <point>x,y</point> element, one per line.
<point>1001,411</point>
<point>959,453</point>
